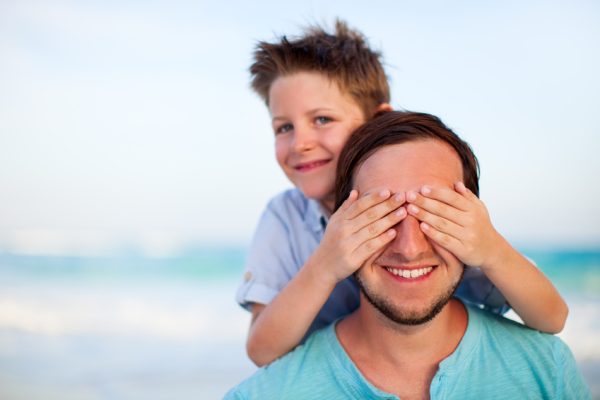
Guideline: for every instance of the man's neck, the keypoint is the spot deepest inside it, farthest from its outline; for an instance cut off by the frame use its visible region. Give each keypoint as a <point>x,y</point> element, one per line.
<point>401,359</point>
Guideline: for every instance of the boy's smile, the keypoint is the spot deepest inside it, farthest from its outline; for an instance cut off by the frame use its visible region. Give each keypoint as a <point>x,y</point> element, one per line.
<point>309,166</point>
<point>312,120</point>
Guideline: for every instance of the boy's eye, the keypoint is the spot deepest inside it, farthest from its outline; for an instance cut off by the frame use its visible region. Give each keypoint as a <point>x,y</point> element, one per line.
<point>322,120</point>
<point>283,128</point>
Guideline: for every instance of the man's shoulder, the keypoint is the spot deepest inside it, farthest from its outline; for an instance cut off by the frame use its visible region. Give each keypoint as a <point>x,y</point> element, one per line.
<point>513,332</point>
<point>501,353</point>
<point>295,373</point>
<point>518,341</point>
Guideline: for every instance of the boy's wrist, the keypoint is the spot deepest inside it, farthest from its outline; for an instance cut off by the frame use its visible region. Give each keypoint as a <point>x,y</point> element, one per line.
<point>499,255</point>
<point>319,274</point>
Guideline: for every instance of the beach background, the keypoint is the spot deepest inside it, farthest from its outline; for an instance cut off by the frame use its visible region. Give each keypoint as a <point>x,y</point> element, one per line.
<point>136,328</point>
<point>135,163</point>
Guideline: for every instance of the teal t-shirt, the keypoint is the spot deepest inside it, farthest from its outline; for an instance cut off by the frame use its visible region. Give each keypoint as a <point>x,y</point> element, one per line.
<point>496,359</point>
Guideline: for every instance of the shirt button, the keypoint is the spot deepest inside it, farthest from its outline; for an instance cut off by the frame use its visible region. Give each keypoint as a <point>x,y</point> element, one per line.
<point>247,276</point>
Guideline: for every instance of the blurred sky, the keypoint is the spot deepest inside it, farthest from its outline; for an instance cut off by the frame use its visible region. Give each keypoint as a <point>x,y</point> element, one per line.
<point>129,125</point>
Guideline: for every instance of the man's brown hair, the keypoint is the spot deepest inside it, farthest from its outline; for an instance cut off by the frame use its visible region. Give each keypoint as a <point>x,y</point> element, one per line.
<point>344,57</point>
<point>395,127</point>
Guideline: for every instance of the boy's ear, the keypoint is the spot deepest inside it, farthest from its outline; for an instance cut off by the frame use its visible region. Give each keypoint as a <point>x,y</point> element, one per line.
<point>383,108</point>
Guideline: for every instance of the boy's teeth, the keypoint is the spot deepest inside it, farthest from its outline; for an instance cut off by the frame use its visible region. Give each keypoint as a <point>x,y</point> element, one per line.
<point>409,273</point>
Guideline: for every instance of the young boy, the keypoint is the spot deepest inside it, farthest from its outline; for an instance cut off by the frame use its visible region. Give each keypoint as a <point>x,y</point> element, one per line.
<point>319,89</point>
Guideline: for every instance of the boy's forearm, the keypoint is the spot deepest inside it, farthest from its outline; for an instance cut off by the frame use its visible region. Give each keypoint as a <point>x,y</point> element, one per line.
<point>528,291</point>
<point>282,324</point>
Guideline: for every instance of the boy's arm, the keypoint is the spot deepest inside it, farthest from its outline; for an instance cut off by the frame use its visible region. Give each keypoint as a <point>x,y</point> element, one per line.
<point>357,231</point>
<point>279,326</point>
<point>528,291</point>
<point>458,221</point>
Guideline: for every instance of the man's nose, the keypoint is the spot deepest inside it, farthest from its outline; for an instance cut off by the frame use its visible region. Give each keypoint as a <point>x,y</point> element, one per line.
<point>410,241</point>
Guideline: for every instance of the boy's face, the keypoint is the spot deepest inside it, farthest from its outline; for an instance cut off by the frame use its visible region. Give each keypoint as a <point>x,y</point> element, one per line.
<point>312,120</point>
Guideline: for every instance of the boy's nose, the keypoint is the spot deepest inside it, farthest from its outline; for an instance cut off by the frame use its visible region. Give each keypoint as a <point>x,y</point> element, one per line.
<point>304,139</point>
<point>410,242</point>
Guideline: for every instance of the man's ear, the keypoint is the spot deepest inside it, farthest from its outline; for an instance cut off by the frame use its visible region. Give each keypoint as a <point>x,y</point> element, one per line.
<point>383,108</point>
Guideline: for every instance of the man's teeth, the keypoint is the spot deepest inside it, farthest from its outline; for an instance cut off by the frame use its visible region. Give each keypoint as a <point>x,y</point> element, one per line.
<point>409,273</point>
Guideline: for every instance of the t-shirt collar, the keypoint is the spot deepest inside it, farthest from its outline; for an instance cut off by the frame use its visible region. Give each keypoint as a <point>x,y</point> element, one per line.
<point>449,366</point>
<point>469,343</point>
<point>344,365</point>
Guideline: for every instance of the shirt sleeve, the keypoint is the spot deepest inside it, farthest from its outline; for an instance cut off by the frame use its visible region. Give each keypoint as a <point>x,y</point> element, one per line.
<point>476,288</point>
<point>270,262</point>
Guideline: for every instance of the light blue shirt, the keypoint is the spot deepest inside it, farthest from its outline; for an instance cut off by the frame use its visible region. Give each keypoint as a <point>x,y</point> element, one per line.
<point>289,231</point>
<point>496,359</point>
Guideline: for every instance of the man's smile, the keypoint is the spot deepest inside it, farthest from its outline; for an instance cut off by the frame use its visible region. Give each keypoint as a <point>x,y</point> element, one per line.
<point>410,274</point>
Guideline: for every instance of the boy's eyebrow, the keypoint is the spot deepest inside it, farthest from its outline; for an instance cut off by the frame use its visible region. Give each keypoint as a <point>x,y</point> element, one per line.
<point>313,111</point>
<point>319,109</point>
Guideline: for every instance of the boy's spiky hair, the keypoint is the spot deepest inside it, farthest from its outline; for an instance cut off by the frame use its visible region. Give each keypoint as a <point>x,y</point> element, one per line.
<point>344,57</point>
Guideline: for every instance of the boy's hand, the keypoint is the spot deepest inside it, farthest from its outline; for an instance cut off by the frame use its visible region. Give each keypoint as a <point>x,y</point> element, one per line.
<point>358,230</point>
<point>458,221</point>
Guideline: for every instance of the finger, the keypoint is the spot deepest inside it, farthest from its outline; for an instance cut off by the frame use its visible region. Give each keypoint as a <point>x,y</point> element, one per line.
<point>349,201</point>
<point>376,254</point>
<point>445,195</point>
<point>462,189</point>
<point>448,242</point>
<point>367,201</point>
<point>380,211</point>
<point>421,203</point>
<point>440,223</point>
<point>379,226</point>
<point>373,246</point>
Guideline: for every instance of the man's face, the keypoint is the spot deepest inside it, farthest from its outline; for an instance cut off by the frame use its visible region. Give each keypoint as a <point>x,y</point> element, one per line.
<point>412,280</point>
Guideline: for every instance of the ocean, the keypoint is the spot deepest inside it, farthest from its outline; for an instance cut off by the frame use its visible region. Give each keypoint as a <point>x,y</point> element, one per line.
<point>131,327</point>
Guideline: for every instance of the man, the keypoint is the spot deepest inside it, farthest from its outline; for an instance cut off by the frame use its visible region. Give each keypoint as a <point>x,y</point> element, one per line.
<point>409,338</point>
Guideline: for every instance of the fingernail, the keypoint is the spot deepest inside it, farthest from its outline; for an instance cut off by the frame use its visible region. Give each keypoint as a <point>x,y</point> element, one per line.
<point>401,212</point>
<point>411,196</point>
<point>384,193</point>
<point>425,190</point>
<point>399,197</point>
<point>413,209</point>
